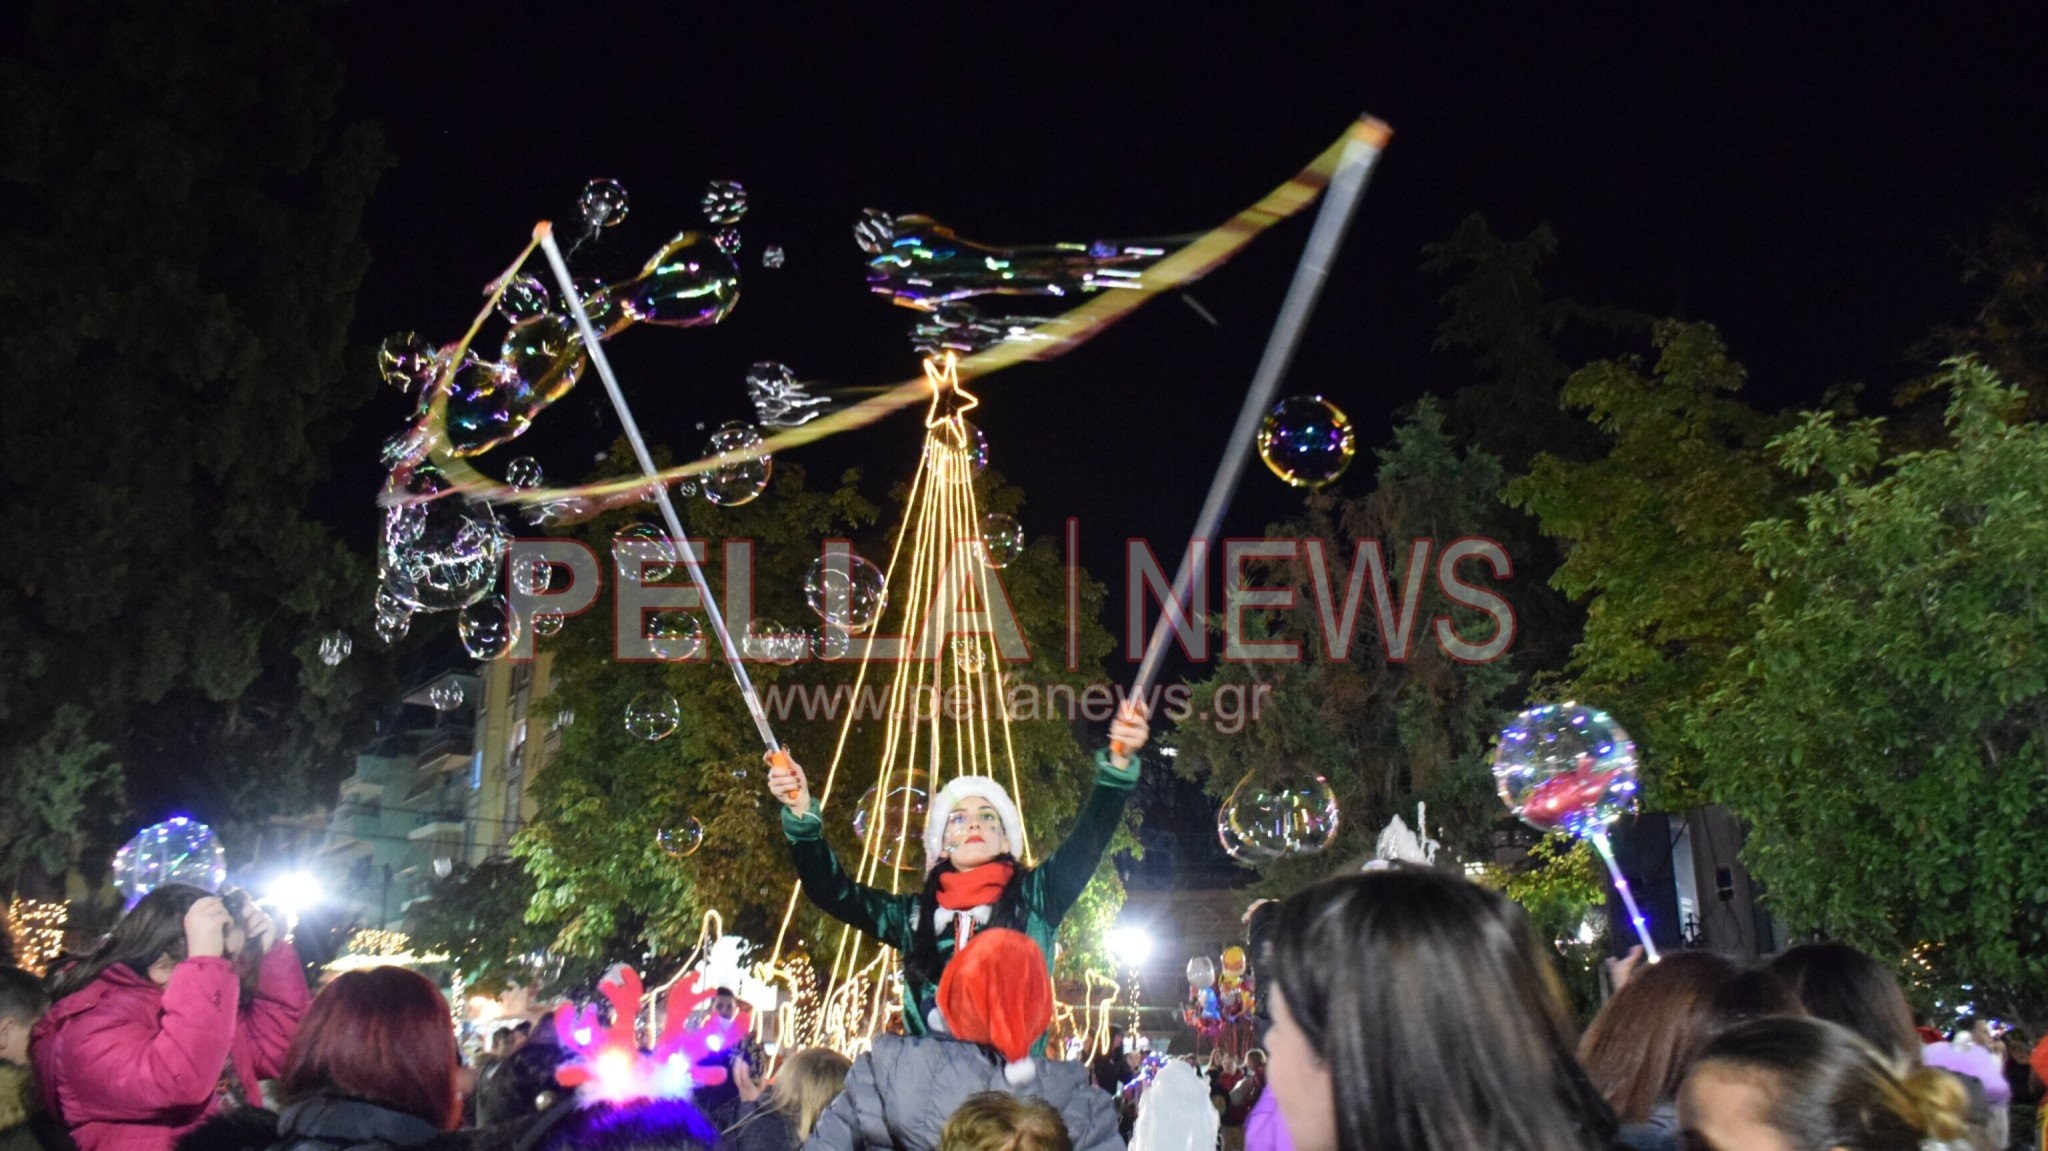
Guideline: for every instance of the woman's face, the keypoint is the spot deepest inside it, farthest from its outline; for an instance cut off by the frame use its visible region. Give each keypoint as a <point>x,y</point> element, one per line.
<point>1301,1081</point>
<point>974,833</point>
<point>1723,1109</point>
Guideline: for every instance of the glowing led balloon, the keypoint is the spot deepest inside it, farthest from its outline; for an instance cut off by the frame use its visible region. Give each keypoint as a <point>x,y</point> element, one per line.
<point>524,473</point>
<point>603,203</point>
<point>744,474</point>
<point>546,623</point>
<point>335,647</point>
<point>892,823</point>
<point>441,552</point>
<point>779,400</point>
<point>682,840</point>
<point>958,463</point>
<point>488,628</point>
<point>1566,767</point>
<point>1002,539</point>
<point>846,591</point>
<point>770,641</point>
<point>653,715</point>
<point>1281,813</point>
<point>524,298</point>
<point>690,282</point>
<point>1307,441</point>
<point>644,553</point>
<point>445,696</point>
<point>674,635</point>
<point>772,256</point>
<point>178,850</point>
<point>407,362</point>
<point>725,201</point>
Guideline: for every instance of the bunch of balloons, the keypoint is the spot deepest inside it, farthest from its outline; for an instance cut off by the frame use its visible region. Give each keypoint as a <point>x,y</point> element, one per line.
<point>1221,1002</point>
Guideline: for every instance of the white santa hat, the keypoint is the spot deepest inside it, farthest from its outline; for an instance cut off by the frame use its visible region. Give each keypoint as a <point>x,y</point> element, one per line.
<point>949,797</point>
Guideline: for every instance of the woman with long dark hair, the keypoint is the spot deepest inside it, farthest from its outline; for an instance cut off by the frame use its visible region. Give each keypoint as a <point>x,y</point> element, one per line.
<point>374,1065</point>
<point>973,879</point>
<point>1414,1009</point>
<point>139,1046</point>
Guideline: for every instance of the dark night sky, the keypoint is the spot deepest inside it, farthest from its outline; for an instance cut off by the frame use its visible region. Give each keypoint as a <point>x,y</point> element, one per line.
<point>1800,179</point>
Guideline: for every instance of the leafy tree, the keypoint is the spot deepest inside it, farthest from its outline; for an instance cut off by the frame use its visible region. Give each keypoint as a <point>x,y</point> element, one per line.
<point>1652,535</point>
<point>604,797</point>
<point>178,261</point>
<point>1883,731</point>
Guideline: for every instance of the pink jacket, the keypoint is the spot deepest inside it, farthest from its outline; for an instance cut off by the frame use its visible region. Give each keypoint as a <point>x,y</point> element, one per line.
<point>131,1066</point>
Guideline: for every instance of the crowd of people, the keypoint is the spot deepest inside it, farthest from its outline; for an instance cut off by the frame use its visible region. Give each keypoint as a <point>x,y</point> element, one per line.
<point>1404,1007</point>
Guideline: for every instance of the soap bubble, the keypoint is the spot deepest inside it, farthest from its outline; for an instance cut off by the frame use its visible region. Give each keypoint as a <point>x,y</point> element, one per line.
<point>543,358</point>
<point>771,256</point>
<point>178,850</point>
<point>830,642</point>
<point>532,575</point>
<point>392,628</point>
<point>524,297</point>
<point>335,647</point>
<point>546,623</point>
<point>769,641</point>
<point>682,840</point>
<point>1307,441</point>
<point>1232,844</point>
<point>644,553</point>
<point>524,473</point>
<point>674,635</point>
<point>603,203</point>
<point>725,201</point>
<point>653,715</point>
<point>957,463</point>
<point>1281,813</point>
<point>779,400</point>
<point>489,405</point>
<point>404,449</point>
<point>745,474</point>
<point>407,362</point>
<point>728,241</point>
<point>892,823</point>
<point>1002,539</point>
<point>488,628</point>
<point>441,552</point>
<point>845,590</point>
<point>875,231</point>
<point>445,696</point>
<point>689,283</point>
<point>1566,767</point>
<point>967,654</point>
<point>686,488</point>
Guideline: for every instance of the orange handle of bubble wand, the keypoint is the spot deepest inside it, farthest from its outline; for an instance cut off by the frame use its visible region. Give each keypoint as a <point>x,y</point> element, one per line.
<point>1368,138</point>
<point>545,233</point>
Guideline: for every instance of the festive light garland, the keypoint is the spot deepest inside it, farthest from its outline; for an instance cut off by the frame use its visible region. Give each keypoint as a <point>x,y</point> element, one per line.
<point>38,928</point>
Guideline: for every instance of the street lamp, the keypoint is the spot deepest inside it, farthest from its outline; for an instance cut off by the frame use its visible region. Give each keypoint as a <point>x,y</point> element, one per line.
<point>1130,944</point>
<point>291,894</point>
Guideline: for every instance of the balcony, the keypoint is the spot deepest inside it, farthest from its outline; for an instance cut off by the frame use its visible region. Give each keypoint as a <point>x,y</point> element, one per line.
<point>447,750</point>
<point>448,823</point>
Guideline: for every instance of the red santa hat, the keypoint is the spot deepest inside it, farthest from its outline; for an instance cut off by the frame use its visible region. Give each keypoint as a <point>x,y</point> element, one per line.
<point>949,797</point>
<point>996,992</point>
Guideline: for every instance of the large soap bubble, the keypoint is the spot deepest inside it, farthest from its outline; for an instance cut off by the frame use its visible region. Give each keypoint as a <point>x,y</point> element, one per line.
<point>724,202</point>
<point>439,551</point>
<point>178,850</point>
<point>488,628</point>
<point>645,553</point>
<point>682,840</point>
<point>674,635</point>
<point>1566,767</point>
<point>892,823</point>
<point>1281,812</point>
<point>1307,441</point>
<point>653,715</point>
<point>602,204</point>
<point>688,283</point>
<point>744,473</point>
<point>407,362</point>
<point>846,591</point>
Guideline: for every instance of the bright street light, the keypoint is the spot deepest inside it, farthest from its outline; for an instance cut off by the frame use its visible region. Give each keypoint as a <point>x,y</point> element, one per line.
<point>1131,945</point>
<point>294,892</point>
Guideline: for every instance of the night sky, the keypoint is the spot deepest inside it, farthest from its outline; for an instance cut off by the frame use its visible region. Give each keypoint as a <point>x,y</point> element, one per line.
<point>1802,180</point>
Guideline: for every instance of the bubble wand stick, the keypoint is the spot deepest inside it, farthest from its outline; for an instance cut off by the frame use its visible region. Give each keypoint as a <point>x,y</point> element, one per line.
<point>545,233</point>
<point>1368,138</point>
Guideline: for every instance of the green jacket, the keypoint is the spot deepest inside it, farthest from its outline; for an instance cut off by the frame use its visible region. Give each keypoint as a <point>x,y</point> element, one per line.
<point>1047,891</point>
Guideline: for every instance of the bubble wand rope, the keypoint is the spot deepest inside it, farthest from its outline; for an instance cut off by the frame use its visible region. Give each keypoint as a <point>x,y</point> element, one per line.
<point>1367,139</point>
<point>545,233</point>
<point>1628,898</point>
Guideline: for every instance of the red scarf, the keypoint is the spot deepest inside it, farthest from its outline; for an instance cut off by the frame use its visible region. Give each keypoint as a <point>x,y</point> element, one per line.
<point>961,890</point>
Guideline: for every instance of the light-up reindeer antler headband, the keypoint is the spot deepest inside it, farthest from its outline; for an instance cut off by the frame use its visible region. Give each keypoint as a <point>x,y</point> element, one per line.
<point>611,1067</point>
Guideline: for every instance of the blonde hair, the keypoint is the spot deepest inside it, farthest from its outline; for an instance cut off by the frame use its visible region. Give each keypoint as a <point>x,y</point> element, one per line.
<point>996,1121</point>
<point>808,1084</point>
